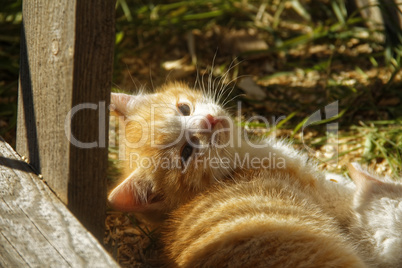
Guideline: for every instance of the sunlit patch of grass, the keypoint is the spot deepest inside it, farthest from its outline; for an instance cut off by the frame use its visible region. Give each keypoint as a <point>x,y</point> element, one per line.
<point>382,140</point>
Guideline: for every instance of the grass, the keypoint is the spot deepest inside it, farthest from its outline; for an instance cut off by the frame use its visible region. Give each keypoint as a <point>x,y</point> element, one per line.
<point>382,139</point>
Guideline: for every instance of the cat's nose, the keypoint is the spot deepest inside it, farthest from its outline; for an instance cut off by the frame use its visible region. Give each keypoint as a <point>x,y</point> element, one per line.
<point>212,120</point>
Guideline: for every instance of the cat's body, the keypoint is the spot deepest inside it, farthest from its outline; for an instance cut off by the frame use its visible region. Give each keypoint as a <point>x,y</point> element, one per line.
<point>167,126</point>
<point>378,207</point>
<point>180,142</point>
<point>271,221</point>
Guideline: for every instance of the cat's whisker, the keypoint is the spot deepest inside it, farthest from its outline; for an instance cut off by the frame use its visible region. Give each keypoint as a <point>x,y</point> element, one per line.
<point>224,102</point>
<point>205,90</point>
<point>225,87</point>
<point>221,90</point>
<point>229,156</point>
<point>230,100</point>
<point>227,95</point>
<point>211,74</point>
<point>231,161</point>
<point>132,79</point>
<point>167,76</point>
<point>197,79</point>
<point>200,82</point>
<point>226,74</point>
<point>220,80</point>
<point>150,78</point>
<point>116,85</point>
<point>214,96</point>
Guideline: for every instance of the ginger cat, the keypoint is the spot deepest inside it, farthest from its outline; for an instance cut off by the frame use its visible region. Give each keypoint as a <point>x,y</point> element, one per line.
<point>378,207</point>
<point>271,221</point>
<point>179,141</point>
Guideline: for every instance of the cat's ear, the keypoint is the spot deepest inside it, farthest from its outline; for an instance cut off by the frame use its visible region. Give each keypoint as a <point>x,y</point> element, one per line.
<point>125,104</point>
<point>134,194</point>
<point>120,103</point>
<point>363,180</point>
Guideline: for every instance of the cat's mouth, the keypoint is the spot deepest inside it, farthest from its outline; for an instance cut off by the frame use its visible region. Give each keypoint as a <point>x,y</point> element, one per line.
<point>220,133</point>
<point>221,123</point>
<point>211,132</point>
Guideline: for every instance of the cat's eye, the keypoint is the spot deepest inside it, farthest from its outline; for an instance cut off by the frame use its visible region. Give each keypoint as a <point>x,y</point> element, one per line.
<point>186,152</point>
<point>184,109</point>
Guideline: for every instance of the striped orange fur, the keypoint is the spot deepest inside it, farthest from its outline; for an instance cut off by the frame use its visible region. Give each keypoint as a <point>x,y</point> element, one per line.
<point>266,222</point>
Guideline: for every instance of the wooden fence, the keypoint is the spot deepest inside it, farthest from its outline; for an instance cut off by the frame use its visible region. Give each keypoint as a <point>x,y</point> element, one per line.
<point>64,92</point>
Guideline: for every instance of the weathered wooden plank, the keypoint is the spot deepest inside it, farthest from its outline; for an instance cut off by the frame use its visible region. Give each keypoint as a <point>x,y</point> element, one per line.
<point>12,258</point>
<point>36,228</point>
<point>66,64</point>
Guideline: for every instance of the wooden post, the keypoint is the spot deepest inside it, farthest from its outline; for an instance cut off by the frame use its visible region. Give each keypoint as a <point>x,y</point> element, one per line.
<point>64,93</point>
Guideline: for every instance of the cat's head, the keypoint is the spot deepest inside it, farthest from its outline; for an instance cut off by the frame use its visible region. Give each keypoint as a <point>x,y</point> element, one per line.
<point>177,141</point>
<point>378,207</point>
<point>371,188</point>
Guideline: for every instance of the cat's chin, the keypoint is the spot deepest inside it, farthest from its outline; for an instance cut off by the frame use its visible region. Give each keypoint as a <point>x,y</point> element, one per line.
<point>153,216</point>
<point>153,206</point>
